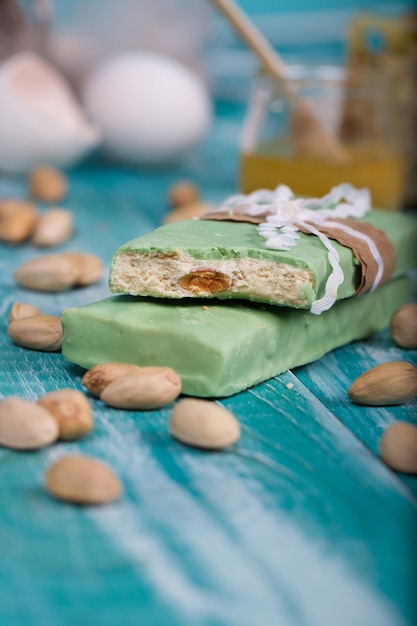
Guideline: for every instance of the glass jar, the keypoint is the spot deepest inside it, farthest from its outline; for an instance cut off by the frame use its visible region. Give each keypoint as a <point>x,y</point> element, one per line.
<point>350,111</point>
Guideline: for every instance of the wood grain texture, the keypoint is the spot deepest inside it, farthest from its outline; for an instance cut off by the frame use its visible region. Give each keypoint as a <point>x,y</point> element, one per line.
<point>298,524</point>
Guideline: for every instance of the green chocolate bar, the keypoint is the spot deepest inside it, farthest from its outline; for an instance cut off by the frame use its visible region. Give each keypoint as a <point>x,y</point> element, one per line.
<point>222,259</point>
<point>219,348</point>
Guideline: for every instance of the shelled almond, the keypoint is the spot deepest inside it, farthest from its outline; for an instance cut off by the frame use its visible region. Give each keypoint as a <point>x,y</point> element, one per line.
<point>403,326</point>
<point>203,424</point>
<point>8,206</point>
<point>47,184</point>
<point>72,411</point>
<point>53,227</point>
<point>83,480</point>
<point>391,383</point>
<point>21,310</point>
<point>183,192</point>
<point>47,273</point>
<point>185,202</point>
<point>25,425</point>
<point>205,281</point>
<point>398,447</point>
<point>59,272</point>
<point>64,414</point>
<point>18,221</point>
<point>89,267</point>
<point>146,389</point>
<point>37,332</point>
<point>100,376</point>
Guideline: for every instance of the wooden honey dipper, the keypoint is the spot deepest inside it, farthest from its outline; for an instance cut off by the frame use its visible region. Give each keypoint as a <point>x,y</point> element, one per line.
<point>309,136</point>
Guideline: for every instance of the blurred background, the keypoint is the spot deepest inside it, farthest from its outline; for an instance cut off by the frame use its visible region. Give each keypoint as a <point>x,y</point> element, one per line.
<point>369,41</point>
<point>79,33</point>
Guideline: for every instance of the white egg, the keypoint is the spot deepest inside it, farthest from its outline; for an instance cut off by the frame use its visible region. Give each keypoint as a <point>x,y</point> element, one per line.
<point>150,107</point>
<point>40,120</point>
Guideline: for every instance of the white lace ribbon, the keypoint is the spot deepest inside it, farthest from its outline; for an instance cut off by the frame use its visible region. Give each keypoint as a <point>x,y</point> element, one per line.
<point>286,212</point>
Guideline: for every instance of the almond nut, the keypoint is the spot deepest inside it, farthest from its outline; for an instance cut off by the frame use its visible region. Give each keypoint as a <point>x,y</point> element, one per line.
<point>47,184</point>
<point>387,384</point>
<point>25,426</point>
<point>53,228</point>
<point>20,310</point>
<point>47,273</point>
<point>8,206</point>
<point>203,424</point>
<point>38,332</point>
<point>99,376</point>
<point>19,224</point>
<point>205,281</point>
<point>403,326</point>
<point>82,480</point>
<point>183,192</point>
<point>398,447</point>
<point>148,388</point>
<point>89,267</point>
<point>72,411</point>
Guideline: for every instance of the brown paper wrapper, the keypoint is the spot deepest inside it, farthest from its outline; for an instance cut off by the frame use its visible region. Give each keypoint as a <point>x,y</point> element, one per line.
<point>360,248</point>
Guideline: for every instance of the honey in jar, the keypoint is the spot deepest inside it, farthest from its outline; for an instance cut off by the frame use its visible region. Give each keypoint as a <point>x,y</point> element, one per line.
<point>356,114</point>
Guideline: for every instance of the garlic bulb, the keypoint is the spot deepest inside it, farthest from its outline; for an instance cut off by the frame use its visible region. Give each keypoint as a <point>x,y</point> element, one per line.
<point>41,122</point>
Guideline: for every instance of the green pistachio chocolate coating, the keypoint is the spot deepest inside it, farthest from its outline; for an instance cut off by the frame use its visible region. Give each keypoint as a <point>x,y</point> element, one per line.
<point>216,241</point>
<point>219,348</point>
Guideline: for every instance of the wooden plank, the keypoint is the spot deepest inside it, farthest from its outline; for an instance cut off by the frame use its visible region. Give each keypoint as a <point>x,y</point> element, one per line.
<point>298,524</point>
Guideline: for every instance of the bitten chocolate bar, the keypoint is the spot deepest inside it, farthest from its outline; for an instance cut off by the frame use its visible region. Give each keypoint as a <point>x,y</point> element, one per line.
<point>299,256</point>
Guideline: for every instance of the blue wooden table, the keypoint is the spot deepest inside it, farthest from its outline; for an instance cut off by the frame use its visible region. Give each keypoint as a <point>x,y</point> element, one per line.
<point>299,524</point>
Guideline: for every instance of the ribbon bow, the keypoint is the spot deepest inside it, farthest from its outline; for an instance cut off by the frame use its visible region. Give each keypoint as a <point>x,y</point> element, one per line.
<point>281,215</point>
